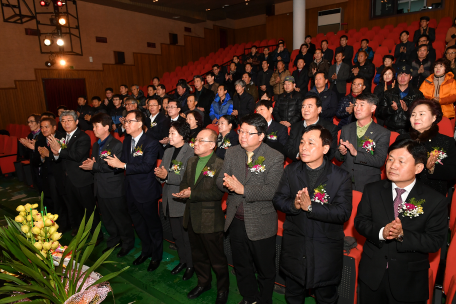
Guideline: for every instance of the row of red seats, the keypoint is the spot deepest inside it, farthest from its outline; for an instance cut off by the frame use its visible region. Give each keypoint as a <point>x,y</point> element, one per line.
<point>8,153</point>
<point>20,131</point>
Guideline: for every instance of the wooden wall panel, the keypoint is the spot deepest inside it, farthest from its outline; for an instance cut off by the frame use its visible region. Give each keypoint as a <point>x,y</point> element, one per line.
<point>280,27</point>
<point>250,34</point>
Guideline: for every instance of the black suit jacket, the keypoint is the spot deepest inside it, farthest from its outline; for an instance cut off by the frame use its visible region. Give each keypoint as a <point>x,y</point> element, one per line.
<point>348,53</point>
<point>301,80</point>
<point>77,151</point>
<point>161,129</point>
<point>329,55</point>
<point>233,137</point>
<point>292,145</point>
<point>407,262</point>
<point>244,104</point>
<point>83,111</point>
<point>276,136</point>
<point>109,182</point>
<point>141,184</point>
<point>418,34</point>
<point>205,101</point>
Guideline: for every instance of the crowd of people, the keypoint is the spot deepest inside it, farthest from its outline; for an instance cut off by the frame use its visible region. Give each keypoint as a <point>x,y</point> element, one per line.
<point>266,115</point>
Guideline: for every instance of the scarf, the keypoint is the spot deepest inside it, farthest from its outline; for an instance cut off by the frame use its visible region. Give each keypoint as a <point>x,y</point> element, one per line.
<point>437,83</point>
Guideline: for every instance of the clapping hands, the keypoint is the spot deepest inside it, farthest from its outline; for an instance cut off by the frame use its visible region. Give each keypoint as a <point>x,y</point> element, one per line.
<point>88,164</point>
<point>393,230</point>
<point>302,200</point>
<point>346,146</point>
<point>161,172</point>
<point>232,183</point>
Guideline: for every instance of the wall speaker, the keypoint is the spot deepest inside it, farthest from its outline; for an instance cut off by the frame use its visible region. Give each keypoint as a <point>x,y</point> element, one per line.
<point>119,57</point>
<point>270,10</point>
<point>172,39</point>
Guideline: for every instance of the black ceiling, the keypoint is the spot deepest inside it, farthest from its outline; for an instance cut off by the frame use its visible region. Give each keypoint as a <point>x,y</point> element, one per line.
<point>193,11</point>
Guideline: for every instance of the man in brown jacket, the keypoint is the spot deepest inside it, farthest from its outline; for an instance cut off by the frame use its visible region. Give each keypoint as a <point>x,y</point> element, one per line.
<point>319,65</point>
<point>278,78</point>
<point>204,217</point>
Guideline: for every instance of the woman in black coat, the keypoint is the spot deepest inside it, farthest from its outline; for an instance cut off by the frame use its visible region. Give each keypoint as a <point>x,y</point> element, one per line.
<point>228,136</point>
<point>387,81</point>
<point>195,122</point>
<point>440,168</point>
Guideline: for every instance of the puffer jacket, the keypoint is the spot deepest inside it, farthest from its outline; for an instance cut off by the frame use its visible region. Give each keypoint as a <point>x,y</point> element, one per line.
<point>447,93</point>
<point>140,98</point>
<point>417,79</point>
<point>219,109</point>
<point>278,87</point>
<point>399,120</point>
<point>288,107</point>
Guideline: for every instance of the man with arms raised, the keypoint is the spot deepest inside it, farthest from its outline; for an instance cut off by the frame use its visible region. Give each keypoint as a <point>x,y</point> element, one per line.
<point>316,196</point>
<point>139,158</point>
<point>403,221</point>
<point>250,174</point>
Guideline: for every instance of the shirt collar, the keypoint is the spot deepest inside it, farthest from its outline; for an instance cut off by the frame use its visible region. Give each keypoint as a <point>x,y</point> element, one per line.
<point>407,189</point>
<point>71,134</point>
<point>175,119</point>
<point>152,118</point>
<point>137,138</point>
<point>269,122</point>
<point>305,123</point>
<point>101,143</point>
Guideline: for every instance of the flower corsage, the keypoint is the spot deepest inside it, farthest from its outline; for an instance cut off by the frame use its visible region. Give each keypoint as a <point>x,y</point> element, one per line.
<point>369,145</point>
<point>226,144</point>
<point>153,124</point>
<point>411,209</point>
<point>208,172</point>
<point>138,151</point>
<point>320,195</point>
<point>191,143</point>
<point>177,167</point>
<point>272,136</point>
<point>257,166</point>
<point>62,143</point>
<point>441,154</point>
<point>105,154</point>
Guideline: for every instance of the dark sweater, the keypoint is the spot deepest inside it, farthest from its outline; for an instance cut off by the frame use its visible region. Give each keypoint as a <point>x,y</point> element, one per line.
<point>314,174</point>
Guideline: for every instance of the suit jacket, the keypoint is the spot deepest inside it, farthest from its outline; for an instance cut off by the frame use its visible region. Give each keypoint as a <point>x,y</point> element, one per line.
<point>328,55</point>
<point>260,217</point>
<point>276,136</point>
<point>417,35</point>
<point>173,180</point>
<point>108,182</point>
<point>161,129</point>
<point>301,80</point>
<point>141,184</point>
<point>77,151</point>
<point>407,261</point>
<point>317,236</point>
<point>233,137</point>
<point>244,104</point>
<point>204,205</point>
<point>365,167</point>
<point>292,145</point>
<point>205,101</point>
<point>348,54</point>
<point>342,76</point>
<point>51,167</point>
<point>83,111</point>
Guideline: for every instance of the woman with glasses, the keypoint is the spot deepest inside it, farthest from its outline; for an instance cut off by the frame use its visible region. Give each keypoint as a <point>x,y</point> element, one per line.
<point>441,87</point>
<point>195,122</point>
<point>170,173</point>
<point>227,137</point>
<point>450,54</point>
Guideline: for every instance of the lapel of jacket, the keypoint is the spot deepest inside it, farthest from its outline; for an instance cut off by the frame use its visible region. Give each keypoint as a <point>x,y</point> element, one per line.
<point>166,162</point>
<point>387,199</point>
<point>182,152</point>
<point>369,134</point>
<point>302,175</point>
<point>127,145</point>
<point>416,193</point>
<point>73,138</point>
<point>254,158</point>
<point>208,164</point>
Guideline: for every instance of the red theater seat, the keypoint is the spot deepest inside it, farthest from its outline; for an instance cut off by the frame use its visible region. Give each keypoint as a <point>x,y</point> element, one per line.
<point>445,127</point>
<point>9,155</point>
<point>393,137</point>
<point>213,127</point>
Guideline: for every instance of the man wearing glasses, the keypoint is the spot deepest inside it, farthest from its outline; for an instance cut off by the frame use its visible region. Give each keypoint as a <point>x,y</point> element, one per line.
<point>79,183</point>
<point>251,173</point>
<point>157,123</point>
<point>204,218</point>
<point>450,54</point>
<point>139,156</point>
<point>173,109</point>
<point>346,104</point>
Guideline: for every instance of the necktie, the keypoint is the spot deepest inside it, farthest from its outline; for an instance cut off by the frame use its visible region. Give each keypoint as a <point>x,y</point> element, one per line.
<point>132,145</point>
<point>249,156</point>
<point>67,140</point>
<point>398,201</point>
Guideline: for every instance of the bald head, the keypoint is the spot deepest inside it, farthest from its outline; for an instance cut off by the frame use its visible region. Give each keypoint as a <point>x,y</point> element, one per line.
<point>205,142</point>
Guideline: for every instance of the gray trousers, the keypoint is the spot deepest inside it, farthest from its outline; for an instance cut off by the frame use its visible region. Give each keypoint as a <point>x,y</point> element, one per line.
<point>180,236</point>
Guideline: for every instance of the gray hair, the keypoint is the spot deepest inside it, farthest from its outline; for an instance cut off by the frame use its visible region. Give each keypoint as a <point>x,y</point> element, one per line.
<point>69,113</point>
<point>240,82</point>
<point>368,97</point>
<point>135,85</point>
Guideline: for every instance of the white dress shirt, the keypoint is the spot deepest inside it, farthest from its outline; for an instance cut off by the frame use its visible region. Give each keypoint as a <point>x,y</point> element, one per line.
<point>269,123</point>
<point>69,138</point>
<point>175,119</point>
<point>152,118</point>
<point>136,139</point>
<point>404,198</point>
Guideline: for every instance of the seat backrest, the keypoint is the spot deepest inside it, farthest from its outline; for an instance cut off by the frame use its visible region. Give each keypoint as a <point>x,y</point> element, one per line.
<point>389,44</point>
<point>363,30</point>
<point>393,137</point>
<point>349,226</point>
<point>450,269</point>
<point>376,28</point>
<point>213,127</point>
<point>453,214</point>
<point>383,50</point>
<point>374,45</point>
<point>2,143</point>
<point>445,127</point>
<point>388,27</point>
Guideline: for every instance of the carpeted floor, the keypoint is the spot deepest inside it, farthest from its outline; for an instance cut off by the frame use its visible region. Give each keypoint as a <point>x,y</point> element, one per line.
<point>135,285</point>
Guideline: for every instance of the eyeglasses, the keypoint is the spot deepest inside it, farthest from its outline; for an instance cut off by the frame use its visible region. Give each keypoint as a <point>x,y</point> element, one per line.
<point>130,121</point>
<point>171,107</point>
<point>451,53</point>
<point>30,121</point>
<point>132,103</point>
<point>242,132</point>
<point>201,140</point>
<point>357,84</point>
<point>65,121</point>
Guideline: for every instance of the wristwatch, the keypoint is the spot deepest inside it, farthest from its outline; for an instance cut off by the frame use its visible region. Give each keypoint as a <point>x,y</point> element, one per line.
<point>400,238</point>
<point>309,209</point>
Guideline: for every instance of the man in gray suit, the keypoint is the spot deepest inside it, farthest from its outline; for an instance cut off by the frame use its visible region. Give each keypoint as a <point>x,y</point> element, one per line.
<point>363,145</point>
<point>109,186</point>
<point>338,75</point>
<point>250,174</point>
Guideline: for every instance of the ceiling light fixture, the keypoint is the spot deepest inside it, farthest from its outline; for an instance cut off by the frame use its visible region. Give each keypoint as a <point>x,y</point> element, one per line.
<point>62,21</point>
<point>176,17</point>
<point>60,42</point>
<point>62,62</point>
<point>48,41</point>
<point>44,3</point>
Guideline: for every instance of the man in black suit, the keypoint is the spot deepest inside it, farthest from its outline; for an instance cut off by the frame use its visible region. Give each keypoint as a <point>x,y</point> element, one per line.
<point>157,123</point>
<point>424,30</point>
<point>277,134</point>
<point>204,217</point>
<point>301,77</point>
<point>109,186</point>
<point>263,78</point>
<point>219,75</point>
<point>403,220</point>
<point>72,151</point>
<point>52,174</point>
<point>204,97</point>
<point>310,110</point>
<point>316,196</point>
<point>243,103</point>
<point>139,158</point>
<point>173,115</point>
<point>346,49</point>
<point>83,110</point>
<point>328,54</point>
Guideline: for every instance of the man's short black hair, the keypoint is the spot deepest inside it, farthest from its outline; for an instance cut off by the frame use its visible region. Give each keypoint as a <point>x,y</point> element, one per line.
<point>369,97</point>
<point>210,74</point>
<point>161,86</point>
<point>117,96</point>
<point>96,98</point>
<point>340,52</point>
<point>344,36</point>
<point>248,63</point>
<point>236,56</point>
<point>125,86</point>
<point>265,103</point>
<point>216,66</point>
<point>63,107</point>
<point>156,78</point>
<point>256,120</point>
<point>280,61</point>
<point>324,40</point>
<point>199,77</point>
<point>415,148</point>
<point>82,96</point>
<point>308,36</point>
<point>325,135</point>
<point>109,89</point>
<point>280,43</point>
<point>48,113</point>
<point>359,77</point>
<point>423,46</point>
<point>312,95</point>
<point>222,85</point>
<point>324,74</point>
<point>365,39</point>
<point>151,86</point>
<point>248,74</point>
<point>102,118</point>
<point>407,32</point>
<point>176,101</point>
<point>157,99</point>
